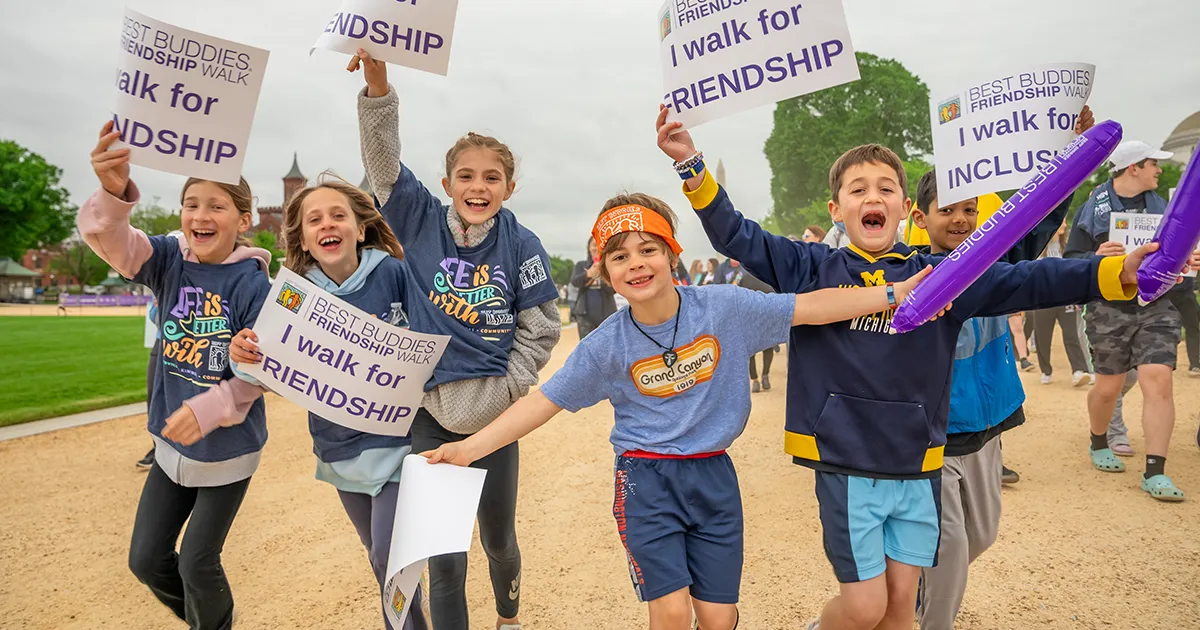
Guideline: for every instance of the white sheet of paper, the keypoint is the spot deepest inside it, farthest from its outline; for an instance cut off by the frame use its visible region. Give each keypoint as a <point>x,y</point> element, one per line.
<point>185,100</point>
<point>339,362</point>
<point>404,32</point>
<point>721,58</point>
<point>995,133</point>
<point>1134,229</point>
<point>435,515</point>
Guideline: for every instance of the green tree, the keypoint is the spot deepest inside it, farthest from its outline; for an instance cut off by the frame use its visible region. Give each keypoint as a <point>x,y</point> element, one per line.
<point>1169,179</point>
<point>266,240</point>
<point>914,169</point>
<point>152,218</point>
<point>795,222</point>
<point>889,105</point>
<point>82,263</point>
<point>33,207</point>
<point>561,270</point>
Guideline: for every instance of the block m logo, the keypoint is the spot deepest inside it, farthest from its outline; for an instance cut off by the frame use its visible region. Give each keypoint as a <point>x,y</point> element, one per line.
<point>873,278</point>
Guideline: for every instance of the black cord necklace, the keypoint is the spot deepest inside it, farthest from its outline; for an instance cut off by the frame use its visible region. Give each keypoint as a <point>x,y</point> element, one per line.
<point>669,356</point>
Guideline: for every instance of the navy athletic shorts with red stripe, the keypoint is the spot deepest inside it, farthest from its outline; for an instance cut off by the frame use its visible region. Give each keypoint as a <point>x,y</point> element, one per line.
<point>680,519</point>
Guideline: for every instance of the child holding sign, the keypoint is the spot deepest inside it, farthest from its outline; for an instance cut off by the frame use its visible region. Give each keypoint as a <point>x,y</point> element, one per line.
<point>336,239</point>
<point>875,435</point>
<point>208,283</point>
<point>986,400</point>
<point>681,358</point>
<point>489,278</point>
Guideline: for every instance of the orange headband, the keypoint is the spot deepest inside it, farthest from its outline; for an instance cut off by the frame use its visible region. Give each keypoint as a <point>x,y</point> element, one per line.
<point>632,218</point>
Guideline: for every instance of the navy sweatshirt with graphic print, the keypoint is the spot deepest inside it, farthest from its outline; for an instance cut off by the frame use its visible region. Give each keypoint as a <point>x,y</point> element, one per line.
<point>476,291</point>
<point>200,308</point>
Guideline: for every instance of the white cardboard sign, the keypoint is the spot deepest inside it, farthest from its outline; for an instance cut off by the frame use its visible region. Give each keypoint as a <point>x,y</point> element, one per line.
<point>411,33</point>
<point>721,57</point>
<point>435,515</point>
<point>996,133</point>
<point>339,362</point>
<point>185,100</point>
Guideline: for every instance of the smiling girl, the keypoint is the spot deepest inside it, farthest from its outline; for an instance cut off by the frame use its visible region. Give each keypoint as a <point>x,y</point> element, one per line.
<point>207,283</point>
<point>489,278</point>
<point>336,239</point>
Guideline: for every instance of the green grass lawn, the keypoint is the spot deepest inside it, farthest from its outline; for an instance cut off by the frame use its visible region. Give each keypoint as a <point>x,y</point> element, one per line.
<point>54,366</point>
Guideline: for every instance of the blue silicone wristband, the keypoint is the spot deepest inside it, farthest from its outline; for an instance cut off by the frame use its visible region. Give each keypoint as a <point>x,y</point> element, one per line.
<point>693,171</point>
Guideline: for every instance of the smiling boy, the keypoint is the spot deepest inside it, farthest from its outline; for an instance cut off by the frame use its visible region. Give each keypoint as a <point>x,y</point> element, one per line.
<point>873,428</point>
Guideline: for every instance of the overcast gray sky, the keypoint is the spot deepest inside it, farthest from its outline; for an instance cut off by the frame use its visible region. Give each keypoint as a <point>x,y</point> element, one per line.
<point>572,86</point>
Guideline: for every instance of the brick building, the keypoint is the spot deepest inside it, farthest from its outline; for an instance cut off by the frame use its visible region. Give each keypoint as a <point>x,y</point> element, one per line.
<point>270,218</point>
<point>40,261</point>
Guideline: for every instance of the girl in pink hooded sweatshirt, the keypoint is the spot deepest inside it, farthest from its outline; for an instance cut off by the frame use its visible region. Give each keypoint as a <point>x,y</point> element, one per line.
<point>209,283</point>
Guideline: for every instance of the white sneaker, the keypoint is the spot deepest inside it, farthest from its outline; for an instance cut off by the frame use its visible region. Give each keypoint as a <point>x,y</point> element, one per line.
<point>1079,379</point>
<point>1045,379</point>
<point>1194,372</point>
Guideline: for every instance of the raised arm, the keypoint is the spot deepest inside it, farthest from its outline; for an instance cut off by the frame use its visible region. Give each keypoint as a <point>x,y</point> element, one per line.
<point>786,266</point>
<point>103,220</point>
<point>404,201</point>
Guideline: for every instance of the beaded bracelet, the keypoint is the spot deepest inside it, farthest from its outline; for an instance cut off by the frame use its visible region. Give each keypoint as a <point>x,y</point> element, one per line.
<point>691,167</point>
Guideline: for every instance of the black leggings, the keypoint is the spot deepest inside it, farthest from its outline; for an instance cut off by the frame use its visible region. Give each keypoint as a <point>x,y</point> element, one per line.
<point>497,532</point>
<point>1189,313</point>
<point>191,582</point>
<point>768,357</point>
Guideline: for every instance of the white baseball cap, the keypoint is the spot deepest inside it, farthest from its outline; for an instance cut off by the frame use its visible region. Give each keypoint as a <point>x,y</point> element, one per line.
<point>1134,151</point>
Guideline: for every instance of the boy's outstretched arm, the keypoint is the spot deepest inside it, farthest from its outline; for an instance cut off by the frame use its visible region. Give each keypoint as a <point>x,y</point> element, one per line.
<point>516,422</point>
<point>827,306</point>
<point>1052,282</point>
<point>786,266</point>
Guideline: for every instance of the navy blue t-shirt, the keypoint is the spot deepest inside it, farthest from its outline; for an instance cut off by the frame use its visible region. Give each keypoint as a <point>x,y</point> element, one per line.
<point>384,295</point>
<point>474,293</point>
<point>200,308</point>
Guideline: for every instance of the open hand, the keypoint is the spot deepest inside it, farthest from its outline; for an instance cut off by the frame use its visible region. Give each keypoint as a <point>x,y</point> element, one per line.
<point>451,453</point>
<point>677,145</point>
<point>244,347</point>
<point>112,167</point>
<point>375,73</point>
<point>1085,121</point>
<point>182,427</point>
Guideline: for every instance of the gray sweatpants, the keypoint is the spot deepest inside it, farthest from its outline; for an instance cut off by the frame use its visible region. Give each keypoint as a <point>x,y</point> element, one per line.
<point>970,521</point>
<point>373,517</point>
<point>1118,433</point>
